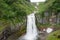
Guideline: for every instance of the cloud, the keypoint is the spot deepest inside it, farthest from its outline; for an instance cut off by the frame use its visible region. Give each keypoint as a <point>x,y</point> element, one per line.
<point>37,0</point>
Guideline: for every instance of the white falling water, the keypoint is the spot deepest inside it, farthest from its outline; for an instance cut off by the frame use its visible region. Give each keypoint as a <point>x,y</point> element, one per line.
<point>31,28</point>
<point>31,32</point>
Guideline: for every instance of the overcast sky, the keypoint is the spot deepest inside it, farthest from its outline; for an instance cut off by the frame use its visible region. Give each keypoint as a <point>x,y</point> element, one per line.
<point>37,0</point>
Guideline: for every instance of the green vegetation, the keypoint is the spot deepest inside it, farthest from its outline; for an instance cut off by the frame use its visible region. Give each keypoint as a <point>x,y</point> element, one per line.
<point>55,6</point>
<point>44,6</point>
<point>54,36</point>
<point>46,25</point>
<point>17,34</point>
<point>57,25</point>
<point>14,11</point>
<point>49,5</point>
<point>3,24</point>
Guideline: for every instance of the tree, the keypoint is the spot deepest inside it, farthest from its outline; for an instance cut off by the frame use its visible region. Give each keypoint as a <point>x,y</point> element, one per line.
<point>15,10</point>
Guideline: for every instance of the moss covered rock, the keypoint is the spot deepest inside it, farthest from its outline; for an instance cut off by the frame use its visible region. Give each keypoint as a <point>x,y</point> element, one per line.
<point>54,36</point>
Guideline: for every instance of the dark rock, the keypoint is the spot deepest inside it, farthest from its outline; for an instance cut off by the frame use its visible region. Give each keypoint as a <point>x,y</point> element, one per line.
<point>58,36</point>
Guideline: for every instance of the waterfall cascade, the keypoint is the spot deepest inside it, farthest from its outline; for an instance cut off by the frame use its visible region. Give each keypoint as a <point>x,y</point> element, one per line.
<point>31,32</point>
<point>31,28</point>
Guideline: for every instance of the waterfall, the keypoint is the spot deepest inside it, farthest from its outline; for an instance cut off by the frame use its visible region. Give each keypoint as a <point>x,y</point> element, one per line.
<point>31,31</point>
<point>31,28</point>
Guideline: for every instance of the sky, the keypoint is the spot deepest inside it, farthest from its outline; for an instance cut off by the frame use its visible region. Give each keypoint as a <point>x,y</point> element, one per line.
<point>37,0</point>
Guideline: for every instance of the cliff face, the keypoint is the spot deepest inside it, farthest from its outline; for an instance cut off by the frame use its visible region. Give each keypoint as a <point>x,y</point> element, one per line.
<point>15,30</point>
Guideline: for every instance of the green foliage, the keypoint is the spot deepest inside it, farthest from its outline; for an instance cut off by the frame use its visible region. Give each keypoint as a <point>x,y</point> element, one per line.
<point>56,6</point>
<point>52,5</point>
<point>46,25</point>
<point>13,12</point>
<point>57,25</point>
<point>15,9</point>
<point>44,6</point>
<point>54,35</point>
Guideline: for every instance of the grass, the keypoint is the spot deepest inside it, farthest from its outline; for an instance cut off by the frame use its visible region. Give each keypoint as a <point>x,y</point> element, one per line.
<point>44,25</point>
<point>1,28</point>
<point>57,25</point>
<point>3,25</point>
<point>54,36</point>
